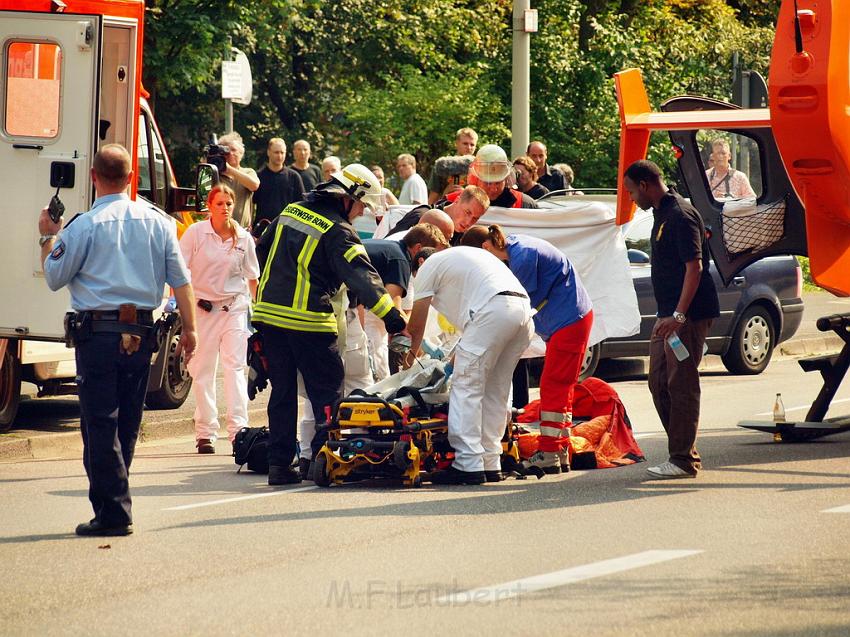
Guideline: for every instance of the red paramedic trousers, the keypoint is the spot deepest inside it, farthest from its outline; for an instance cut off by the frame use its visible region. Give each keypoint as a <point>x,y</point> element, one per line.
<point>561,369</point>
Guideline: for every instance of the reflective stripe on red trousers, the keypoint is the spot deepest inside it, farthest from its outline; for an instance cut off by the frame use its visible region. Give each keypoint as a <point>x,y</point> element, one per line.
<point>561,369</point>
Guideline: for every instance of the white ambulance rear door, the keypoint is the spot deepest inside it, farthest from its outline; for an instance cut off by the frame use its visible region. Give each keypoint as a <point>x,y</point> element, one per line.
<point>49,66</point>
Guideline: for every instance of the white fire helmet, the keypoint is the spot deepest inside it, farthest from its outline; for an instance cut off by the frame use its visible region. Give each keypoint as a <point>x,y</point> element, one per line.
<point>361,184</point>
<point>491,164</point>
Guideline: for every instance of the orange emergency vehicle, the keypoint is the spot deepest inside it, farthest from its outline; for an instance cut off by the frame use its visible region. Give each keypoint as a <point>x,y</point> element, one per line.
<point>796,155</point>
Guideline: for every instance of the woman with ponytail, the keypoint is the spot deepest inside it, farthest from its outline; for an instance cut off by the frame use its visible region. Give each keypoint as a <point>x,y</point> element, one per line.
<point>564,318</point>
<point>223,262</point>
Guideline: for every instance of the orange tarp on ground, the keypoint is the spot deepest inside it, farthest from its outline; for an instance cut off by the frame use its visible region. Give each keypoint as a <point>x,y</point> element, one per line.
<point>604,440</point>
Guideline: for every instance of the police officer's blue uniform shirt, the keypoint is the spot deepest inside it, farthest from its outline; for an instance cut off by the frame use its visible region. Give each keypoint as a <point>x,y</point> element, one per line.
<point>120,251</point>
<point>552,283</point>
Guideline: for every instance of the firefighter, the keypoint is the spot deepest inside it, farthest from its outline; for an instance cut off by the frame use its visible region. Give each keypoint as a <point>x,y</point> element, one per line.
<point>305,255</point>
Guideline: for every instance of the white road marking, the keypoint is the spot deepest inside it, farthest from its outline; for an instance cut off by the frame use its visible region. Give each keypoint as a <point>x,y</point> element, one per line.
<point>253,496</point>
<point>802,407</point>
<point>507,590</point>
<point>841,509</point>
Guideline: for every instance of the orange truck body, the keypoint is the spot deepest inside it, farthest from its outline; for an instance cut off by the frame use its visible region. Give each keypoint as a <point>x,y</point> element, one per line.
<point>809,115</point>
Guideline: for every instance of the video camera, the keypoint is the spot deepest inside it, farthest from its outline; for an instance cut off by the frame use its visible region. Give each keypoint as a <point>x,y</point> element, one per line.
<point>216,154</point>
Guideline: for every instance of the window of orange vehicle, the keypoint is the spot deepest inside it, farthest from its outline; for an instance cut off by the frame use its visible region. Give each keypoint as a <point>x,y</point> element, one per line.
<point>732,164</point>
<point>33,78</point>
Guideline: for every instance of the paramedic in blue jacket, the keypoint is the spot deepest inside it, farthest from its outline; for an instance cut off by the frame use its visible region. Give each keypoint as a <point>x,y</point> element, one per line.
<point>115,260</point>
<point>564,318</point>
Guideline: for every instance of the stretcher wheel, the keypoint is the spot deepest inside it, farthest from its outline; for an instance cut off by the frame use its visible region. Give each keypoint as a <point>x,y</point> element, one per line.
<point>320,471</point>
<point>400,451</point>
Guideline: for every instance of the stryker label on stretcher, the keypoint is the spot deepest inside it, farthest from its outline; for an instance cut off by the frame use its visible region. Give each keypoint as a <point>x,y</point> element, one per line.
<point>365,413</point>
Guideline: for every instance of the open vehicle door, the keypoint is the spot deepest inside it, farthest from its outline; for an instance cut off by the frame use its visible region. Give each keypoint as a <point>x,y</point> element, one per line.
<point>738,234</point>
<point>49,110</point>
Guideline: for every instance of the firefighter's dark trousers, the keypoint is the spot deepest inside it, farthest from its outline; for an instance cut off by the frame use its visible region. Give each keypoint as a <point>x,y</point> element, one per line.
<point>316,356</point>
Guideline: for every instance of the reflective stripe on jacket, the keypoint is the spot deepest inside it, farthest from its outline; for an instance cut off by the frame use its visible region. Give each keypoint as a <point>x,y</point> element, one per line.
<point>305,255</point>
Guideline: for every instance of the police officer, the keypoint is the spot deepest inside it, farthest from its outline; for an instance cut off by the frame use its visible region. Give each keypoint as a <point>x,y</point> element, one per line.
<point>305,255</point>
<point>115,260</point>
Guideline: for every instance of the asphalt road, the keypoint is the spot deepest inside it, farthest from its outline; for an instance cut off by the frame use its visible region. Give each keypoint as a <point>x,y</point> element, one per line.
<point>749,548</point>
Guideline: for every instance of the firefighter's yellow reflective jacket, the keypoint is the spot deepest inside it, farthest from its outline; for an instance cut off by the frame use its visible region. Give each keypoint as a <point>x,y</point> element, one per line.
<point>305,255</point>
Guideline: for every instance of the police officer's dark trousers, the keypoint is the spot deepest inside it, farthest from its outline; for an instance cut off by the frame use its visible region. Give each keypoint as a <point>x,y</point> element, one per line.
<point>316,356</point>
<point>112,388</point>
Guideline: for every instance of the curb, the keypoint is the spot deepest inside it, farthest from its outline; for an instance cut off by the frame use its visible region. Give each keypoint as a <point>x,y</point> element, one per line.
<point>70,444</point>
<point>15,447</point>
<point>800,348</point>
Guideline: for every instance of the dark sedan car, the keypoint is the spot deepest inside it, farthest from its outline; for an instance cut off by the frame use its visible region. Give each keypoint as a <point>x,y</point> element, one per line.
<point>761,308</point>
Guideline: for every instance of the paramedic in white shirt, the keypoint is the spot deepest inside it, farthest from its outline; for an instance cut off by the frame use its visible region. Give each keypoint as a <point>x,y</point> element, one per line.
<point>488,305</point>
<point>223,262</point>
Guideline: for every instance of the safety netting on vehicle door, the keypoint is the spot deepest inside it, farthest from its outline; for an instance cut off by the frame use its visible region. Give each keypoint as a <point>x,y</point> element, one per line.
<point>748,226</point>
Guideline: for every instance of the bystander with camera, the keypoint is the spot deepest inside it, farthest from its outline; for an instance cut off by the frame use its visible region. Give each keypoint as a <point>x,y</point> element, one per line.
<point>243,181</point>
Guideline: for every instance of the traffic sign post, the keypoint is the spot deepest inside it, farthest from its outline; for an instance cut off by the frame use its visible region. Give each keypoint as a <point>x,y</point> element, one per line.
<point>237,86</point>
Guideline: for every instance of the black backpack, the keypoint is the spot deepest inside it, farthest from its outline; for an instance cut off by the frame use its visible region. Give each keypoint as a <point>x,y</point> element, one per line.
<point>250,447</point>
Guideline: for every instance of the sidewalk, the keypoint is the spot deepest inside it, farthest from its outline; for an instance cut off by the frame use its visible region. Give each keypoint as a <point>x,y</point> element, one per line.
<point>63,438</point>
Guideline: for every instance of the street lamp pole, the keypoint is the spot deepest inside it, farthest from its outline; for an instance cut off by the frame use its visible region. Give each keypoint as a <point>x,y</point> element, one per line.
<point>524,24</point>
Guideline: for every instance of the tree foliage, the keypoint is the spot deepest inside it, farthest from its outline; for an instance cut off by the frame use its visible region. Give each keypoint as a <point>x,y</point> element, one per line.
<point>370,80</point>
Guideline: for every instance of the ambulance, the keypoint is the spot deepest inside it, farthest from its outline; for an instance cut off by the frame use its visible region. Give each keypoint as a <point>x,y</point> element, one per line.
<point>70,82</point>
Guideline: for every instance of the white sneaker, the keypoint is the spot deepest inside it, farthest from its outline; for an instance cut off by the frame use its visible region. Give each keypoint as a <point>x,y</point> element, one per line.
<point>668,471</point>
<point>548,461</point>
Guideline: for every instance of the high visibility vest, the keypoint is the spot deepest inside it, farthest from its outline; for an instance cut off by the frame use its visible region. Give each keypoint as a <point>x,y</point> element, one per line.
<point>309,255</point>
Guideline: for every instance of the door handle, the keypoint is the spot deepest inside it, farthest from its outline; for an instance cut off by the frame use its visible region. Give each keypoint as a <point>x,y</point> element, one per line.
<point>739,280</point>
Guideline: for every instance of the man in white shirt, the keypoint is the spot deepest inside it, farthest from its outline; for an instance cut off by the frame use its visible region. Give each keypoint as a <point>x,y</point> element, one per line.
<point>482,298</point>
<point>414,191</point>
<point>725,182</point>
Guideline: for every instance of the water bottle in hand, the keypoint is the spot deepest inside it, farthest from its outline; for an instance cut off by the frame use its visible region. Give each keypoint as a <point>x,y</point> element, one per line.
<point>678,347</point>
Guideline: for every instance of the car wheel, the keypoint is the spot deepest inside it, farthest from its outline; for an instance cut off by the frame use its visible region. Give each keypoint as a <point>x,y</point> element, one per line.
<point>177,382</point>
<point>752,343</point>
<point>590,362</point>
<point>10,387</point>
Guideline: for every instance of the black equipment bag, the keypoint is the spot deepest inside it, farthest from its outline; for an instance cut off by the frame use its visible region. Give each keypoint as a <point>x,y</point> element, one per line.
<point>250,447</point>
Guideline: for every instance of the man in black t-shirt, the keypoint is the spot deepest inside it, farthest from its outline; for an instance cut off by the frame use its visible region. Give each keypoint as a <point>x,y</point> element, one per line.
<point>687,304</point>
<point>391,259</point>
<point>279,187</point>
<point>547,176</point>
<point>310,174</point>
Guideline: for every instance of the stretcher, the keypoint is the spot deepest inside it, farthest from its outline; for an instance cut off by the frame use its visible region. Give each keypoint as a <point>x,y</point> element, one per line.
<point>396,429</point>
